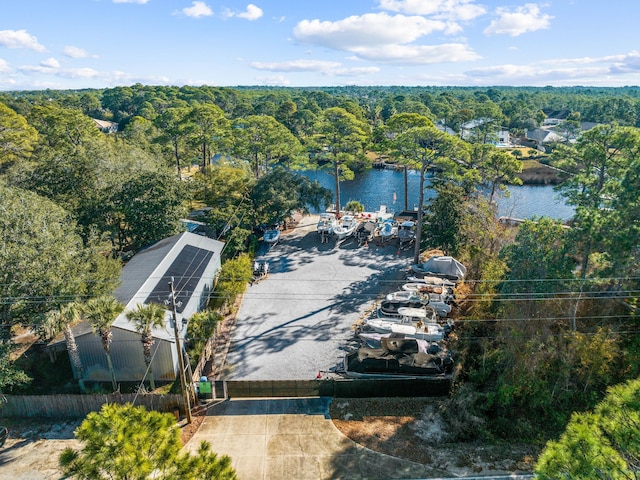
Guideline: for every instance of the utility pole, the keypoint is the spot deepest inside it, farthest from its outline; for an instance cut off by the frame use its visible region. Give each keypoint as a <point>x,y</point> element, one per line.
<point>183,380</point>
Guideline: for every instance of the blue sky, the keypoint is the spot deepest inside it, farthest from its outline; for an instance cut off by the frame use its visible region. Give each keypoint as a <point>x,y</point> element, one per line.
<point>73,44</point>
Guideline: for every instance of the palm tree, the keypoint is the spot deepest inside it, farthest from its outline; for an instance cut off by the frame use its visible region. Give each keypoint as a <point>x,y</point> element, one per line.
<point>146,317</point>
<point>63,319</point>
<point>101,312</point>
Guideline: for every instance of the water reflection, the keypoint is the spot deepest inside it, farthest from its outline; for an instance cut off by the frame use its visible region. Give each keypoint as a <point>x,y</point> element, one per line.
<point>386,187</point>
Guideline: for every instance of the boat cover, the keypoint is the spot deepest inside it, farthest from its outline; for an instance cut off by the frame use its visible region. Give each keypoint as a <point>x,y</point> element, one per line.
<point>443,265</point>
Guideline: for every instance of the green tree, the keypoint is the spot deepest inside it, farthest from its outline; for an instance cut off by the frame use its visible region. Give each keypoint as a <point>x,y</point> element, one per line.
<point>603,444</point>
<point>173,133</point>
<point>396,125</point>
<point>151,206</point>
<point>17,137</point>
<point>499,168</point>
<point>10,374</point>
<point>208,130</point>
<point>538,264</point>
<point>264,142</point>
<point>63,319</point>
<point>42,257</point>
<point>340,137</point>
<point>596,164</point>
<point>234,275</point>
<point>278,194</point>
<point>146,318</point>
<point>445,217</point>
<point>123,442</point>
<point>425,148</point>
<point>63,130</point>
<point>101,312</point>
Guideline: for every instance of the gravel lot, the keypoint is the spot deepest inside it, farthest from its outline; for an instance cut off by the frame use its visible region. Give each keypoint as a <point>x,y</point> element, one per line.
<point>296,322</point>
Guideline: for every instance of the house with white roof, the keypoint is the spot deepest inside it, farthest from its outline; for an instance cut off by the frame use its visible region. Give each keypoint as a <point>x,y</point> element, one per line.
<point>191,261</point>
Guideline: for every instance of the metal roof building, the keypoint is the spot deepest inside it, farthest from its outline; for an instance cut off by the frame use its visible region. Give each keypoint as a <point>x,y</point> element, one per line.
<point>192,261</point>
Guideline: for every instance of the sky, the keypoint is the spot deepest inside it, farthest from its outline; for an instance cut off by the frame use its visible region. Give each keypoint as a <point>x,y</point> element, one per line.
<point>73,44</point>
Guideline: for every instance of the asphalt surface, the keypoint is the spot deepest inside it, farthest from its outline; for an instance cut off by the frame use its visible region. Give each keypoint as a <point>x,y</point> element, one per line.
<point>297,322</point>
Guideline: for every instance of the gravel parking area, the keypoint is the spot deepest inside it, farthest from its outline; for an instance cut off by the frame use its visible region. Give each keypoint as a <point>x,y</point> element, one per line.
<point>296,322</point>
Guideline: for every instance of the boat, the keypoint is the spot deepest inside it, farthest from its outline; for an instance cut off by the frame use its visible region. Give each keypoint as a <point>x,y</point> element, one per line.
<point>271,236</point>
<point>411,323</point>
<point>406,232</point>
<point>441,266</point>
<point>388,229</point>
<point>326,223</point>
<point>398,358</point>
<point>391,307</point>
<point>364,232</point>
<point>345,226</point>
<point>435,301</point>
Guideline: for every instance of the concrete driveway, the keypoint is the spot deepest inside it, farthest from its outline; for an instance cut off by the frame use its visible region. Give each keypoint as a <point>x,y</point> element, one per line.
<point>297,321</point>
<point>294,439</point>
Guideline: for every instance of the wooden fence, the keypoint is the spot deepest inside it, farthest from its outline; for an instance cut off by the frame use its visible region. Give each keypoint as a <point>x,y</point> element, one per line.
<point>78,406</point>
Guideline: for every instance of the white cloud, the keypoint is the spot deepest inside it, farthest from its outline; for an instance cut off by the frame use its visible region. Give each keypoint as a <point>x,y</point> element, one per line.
<point>196,10</point>
<point>527,18</point>
<point>141,2</point>
<point>251,13</point>
<point>4,66</point>
<point>315,66</point>
<point>297,66</point>
<point>446,9</point>
<point>371,29</point>
<point>20,39</point>
<point>355,71</point>
<point>77,52</point>
<point>607,71</point>
<point>50,63</point>
<point>418,54</point>
<point>274,80</point>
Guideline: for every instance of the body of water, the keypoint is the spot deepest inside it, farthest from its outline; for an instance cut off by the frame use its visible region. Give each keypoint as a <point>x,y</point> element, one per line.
<point>386,187</point>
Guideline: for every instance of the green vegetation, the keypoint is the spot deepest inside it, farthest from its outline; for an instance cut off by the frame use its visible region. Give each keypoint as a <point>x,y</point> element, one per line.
<point>122,442</point>
<point>547,316</point>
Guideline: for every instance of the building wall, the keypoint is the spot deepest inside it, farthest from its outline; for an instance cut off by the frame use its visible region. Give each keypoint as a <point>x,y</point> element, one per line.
<point>127,358</point>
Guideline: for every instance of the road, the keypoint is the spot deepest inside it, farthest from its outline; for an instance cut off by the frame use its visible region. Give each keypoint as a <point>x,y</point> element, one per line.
<point>296,322</point>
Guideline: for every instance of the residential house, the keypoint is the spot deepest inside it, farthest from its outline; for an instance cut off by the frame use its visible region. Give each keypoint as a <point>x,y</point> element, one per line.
<point>541,138</point>
<point>498,136</point>
<point>191,261</point>
<point>106,126</point>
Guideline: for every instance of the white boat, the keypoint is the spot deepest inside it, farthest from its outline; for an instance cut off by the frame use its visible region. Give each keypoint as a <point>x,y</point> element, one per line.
<point>388,229</point>
<point>326,223</point>
<point>436,301</point>
<point>412,323</point>
<point>345,226</point>
<point>271,237</point>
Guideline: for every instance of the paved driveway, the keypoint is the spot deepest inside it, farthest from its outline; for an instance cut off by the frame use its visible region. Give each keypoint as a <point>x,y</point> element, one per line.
<point>298,320</point>
<point>294,439</point>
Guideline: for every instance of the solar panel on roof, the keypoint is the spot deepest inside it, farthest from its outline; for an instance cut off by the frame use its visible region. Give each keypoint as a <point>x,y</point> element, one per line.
<point>186,271</point>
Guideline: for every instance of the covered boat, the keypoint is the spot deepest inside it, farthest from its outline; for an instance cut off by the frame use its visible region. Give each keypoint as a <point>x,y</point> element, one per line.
<point>398,358</point>
<point>441,266</point>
